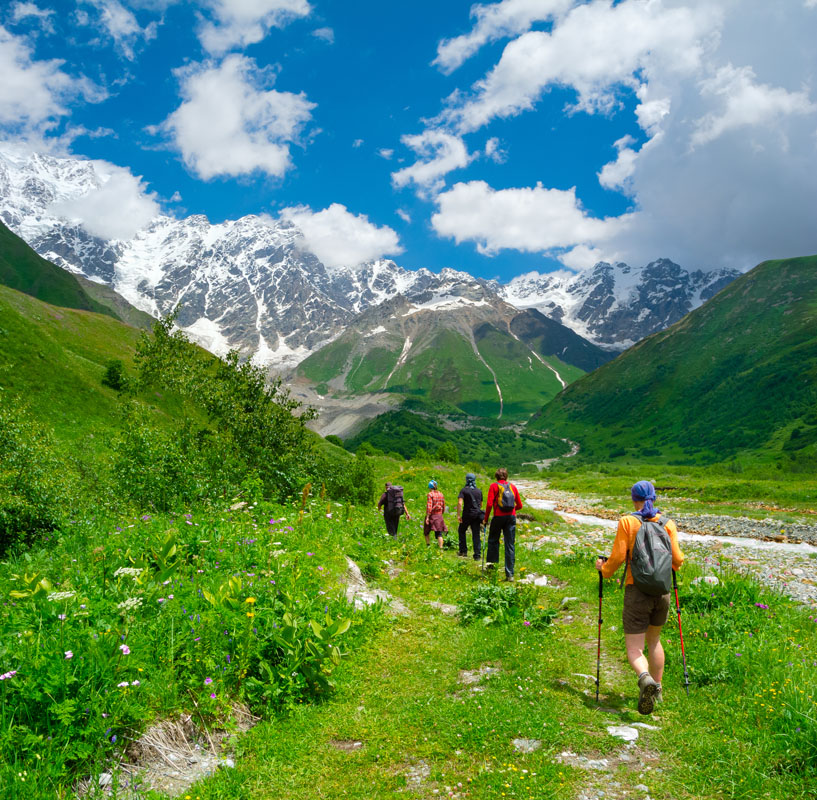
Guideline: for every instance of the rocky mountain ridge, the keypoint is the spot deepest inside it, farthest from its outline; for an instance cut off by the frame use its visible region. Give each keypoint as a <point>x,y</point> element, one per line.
<point>249,284</point>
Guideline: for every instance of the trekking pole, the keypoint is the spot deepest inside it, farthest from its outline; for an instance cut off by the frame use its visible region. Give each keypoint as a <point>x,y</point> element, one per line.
<point>482,547</point>
<point>598,649</point>
<point>680,632</point>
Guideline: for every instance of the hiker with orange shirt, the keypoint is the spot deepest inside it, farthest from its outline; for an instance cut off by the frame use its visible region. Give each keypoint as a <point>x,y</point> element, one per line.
<point>434,521</point>
<point>504,501</point>
<point>653,555</point>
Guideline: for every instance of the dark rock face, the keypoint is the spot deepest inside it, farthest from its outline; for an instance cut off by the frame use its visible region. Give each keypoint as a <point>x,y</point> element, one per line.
<point>550,338</point>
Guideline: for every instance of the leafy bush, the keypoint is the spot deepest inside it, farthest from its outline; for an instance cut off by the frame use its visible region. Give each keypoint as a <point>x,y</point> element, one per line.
<point>34,485</point>
<point>336,440</point>
<point>115,376</point>
<point>489,603</point>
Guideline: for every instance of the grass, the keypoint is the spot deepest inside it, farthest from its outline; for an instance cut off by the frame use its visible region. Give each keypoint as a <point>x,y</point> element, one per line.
<point>749,717</point>
<point>54,358</point>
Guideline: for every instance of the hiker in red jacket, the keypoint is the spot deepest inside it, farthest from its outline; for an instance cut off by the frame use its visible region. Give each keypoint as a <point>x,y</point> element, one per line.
<point>504,502</point>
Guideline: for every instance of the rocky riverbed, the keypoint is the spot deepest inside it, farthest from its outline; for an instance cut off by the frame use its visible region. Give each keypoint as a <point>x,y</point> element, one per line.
<point>780,556</point>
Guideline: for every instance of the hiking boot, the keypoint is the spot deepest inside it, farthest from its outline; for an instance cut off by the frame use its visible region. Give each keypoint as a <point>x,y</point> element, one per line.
<point>659,694</point>
<point>463,555</point>
<point>648,688</point>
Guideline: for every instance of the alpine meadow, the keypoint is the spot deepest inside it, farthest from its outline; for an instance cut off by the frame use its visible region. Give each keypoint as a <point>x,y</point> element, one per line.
<point>408,400</point>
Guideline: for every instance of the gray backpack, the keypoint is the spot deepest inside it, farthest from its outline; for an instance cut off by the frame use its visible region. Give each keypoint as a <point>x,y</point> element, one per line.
<point>651,559</point>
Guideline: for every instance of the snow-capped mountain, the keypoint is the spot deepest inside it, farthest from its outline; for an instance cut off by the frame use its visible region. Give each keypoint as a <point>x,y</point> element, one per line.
<point>243,284</point>
<point>616,305</point>
<point>249,284</point>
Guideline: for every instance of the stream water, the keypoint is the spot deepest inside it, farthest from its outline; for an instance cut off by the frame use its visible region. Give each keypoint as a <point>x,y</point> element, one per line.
<point>735,541</point>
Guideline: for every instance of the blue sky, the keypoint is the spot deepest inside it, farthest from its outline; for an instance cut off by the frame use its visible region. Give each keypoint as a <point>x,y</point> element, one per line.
<point>497,138</point>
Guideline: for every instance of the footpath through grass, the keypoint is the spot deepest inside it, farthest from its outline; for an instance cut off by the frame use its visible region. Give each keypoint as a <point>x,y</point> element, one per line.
<point>424,705</point>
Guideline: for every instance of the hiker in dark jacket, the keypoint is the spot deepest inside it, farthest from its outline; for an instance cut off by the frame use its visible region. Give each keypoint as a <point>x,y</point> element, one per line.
<point>469,514</point>
<point>504,521</point>
<point>644,615</point>
<point>434,521</point>
<point>393,506</point>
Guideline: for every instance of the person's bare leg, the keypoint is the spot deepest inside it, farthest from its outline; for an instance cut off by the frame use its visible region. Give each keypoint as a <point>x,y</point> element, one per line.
<point>440,542</point>
<point>635,652</point>
<point>428,541</point>
<point>655,652</point>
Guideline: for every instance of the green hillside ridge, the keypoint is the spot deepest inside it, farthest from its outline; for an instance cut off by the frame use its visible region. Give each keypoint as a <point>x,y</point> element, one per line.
<point>54,359</point>
<point>107,297</point>
<point>26,271</point>
<point>737,374</point>
<point>419,425</point>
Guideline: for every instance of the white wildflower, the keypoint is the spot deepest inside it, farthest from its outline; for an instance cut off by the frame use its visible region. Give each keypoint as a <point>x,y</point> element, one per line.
<point>131,572</point>
<point>56,596</point>
<point>130,604</point>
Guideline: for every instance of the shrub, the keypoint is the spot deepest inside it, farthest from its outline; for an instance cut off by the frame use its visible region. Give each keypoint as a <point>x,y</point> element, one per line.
<point>34,485</point>
<point>336,440</point>
<point>115,376</point>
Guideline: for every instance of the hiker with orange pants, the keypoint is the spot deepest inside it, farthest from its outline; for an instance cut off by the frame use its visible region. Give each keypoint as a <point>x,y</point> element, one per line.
<point>648,543</point>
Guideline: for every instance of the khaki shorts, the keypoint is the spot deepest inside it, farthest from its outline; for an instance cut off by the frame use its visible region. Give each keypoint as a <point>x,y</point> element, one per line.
<point>642,610</point>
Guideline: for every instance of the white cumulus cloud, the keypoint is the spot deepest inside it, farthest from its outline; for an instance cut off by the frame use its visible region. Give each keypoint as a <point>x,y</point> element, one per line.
<point>239,23</point>
<point>745,103</point>
<point>21,11</point>
<point>596,48</point>
<point>339,238</point>
<point>116,209</point>
<point>230,123</point>
<point>530,219</point>
<point>438,154</point>
<point>35,94</point>
<point>121,25</point>
<point>495,21</point>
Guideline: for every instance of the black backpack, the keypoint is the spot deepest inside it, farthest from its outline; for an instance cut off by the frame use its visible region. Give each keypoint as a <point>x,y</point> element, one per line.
<point>394,500</point>
<point>651,559</point>
<point>507,500</point>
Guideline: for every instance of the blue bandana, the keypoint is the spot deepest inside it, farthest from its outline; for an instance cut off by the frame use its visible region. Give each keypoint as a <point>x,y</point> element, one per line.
<point>644,490</point>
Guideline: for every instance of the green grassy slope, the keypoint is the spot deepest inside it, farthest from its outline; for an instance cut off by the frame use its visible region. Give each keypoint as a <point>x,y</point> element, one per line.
<point>738,373</point>
<point>524,380</point>
<point>447,370</point>
<point>53,359</point>
<point>22,269</point>
<point>121,308</point>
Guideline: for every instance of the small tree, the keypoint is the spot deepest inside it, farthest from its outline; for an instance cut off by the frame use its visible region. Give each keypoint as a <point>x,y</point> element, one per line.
<point>336,440</point>
<point>115,376</point>
<point>448,453</point>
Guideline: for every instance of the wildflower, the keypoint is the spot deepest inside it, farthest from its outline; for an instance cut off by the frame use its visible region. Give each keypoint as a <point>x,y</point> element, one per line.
<point>6,675</point>
<point>125,649</point>
<point>208,681</point>
<point>527,622</point>
<point>320,568</point>
<point>310,554</point>
<point>68,655</point>
<point>250,600</point>
<point>130,572</point>
<point>57,596</point>
<point>113,739</point>
<point>170,597</point>
<point>130,604</point>
<point>160,600</point>
<point>61,617</point>
<point>135,683</point>
<point>761,605</point>
<point>250,614</point>
<point>123,685</point>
